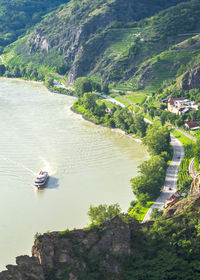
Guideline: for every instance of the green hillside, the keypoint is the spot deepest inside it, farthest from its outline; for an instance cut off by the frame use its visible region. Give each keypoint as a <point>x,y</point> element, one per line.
<point>16,16</point>
<point>91,38</point>
<point>163,69</point>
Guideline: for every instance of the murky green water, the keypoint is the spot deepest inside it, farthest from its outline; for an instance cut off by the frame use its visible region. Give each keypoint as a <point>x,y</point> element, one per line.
<point>87,164</point>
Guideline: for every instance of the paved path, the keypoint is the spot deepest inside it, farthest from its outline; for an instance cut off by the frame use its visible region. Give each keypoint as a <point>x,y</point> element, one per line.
<point>170,179</point>
<point>109,98</point>
<point>172,171</point>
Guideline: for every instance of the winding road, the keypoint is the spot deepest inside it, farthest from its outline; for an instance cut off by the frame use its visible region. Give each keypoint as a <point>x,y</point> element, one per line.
<point>170,179</point>
<point>170,184</point>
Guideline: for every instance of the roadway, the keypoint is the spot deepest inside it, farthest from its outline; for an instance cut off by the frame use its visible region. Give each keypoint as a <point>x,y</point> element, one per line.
<point>170,179</point>
<point>170,183</point>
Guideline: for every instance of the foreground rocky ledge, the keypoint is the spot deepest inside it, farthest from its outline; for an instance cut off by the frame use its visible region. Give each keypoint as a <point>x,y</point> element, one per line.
<point>70,254</point>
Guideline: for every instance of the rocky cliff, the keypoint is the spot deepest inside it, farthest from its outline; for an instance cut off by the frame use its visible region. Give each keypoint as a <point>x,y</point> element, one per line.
<point>71,254</point>
<point>119,250</point>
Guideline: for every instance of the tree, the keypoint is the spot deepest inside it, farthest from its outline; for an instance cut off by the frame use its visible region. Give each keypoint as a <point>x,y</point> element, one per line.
<point>163,118</point>
<point>48,81</point>
<point>83,85</point>
<point>151,113</point>
<point>124,120</point>
<point>89,101</point>
<point>157,139</point>
<point>156,213</point>
<point>151,178</point>
<point>16,72</point>
<point>103,212</point>
<point>105,88</point>
<point>2,69</point>
<point>140,125</point>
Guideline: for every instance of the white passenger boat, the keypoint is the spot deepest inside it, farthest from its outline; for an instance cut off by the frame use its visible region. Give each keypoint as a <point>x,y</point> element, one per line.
<point>41,179</point>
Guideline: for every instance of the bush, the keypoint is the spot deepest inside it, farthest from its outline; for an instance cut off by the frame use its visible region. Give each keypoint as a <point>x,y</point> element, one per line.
<point>156,213</point>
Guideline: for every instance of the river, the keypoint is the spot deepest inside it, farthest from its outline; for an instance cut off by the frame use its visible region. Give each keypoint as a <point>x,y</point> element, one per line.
<point>88,164</point>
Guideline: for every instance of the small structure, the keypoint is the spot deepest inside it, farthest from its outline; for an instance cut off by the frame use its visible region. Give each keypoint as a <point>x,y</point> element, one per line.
<point>181,105</point>
<point>192,125</point>
<point>108,110</point>
<point>171,201</point>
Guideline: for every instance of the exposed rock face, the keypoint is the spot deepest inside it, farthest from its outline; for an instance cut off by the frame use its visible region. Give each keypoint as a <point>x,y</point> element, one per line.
<point>195,186</point>
<point>73,253</point>
<point>182,205</point>
<point>191,79</point>
<point>27,268</point>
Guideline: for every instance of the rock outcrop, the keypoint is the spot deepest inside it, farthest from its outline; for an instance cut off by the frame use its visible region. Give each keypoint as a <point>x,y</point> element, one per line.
<point>182,205</point>
<point>191,80</point>
<point>73,253</point>
<point>27,268</point>
<point>195,186</point>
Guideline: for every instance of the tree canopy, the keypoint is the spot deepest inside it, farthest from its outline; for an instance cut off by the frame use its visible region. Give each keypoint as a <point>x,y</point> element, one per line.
<point>103,212</point>
<point>157,139</point>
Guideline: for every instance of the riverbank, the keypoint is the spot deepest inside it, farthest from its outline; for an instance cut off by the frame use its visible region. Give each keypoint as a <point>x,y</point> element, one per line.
<point>117,130</point>
<point>22,80</point>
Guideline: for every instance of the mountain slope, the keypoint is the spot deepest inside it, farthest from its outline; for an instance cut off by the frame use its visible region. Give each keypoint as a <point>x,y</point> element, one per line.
<point>81,35</point>
<point>16,16</point>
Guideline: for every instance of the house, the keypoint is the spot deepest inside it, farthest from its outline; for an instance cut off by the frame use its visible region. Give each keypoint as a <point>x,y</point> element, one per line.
<point>192,125</point>
<point>181,105</point>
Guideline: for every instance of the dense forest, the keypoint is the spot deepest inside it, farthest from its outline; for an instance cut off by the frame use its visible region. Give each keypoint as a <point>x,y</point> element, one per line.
<point>17,16</point>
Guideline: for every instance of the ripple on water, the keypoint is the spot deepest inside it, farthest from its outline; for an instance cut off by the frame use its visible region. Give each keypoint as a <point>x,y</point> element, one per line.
<point>87,164</point>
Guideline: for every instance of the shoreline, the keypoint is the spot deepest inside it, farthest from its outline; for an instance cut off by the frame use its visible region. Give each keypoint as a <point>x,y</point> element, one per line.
<point>22,80</point>
<point>117,130</point>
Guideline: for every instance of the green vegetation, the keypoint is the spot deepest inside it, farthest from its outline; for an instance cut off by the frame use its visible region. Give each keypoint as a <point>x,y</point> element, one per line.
<point>184,178</point>
<point>138,211</point>
<point>102,213</point>
<point>138,99</point>
<point>117,117</point>
<point>148,184</point>
<point>157,139</point>
<point>182,138</point>
<point>17,16</point>
<point>167,250</point>
<point>64,233</point>
<point>119,45</point>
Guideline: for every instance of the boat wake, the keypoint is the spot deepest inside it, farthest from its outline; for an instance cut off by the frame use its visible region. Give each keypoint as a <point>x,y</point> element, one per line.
<point>20,165</point>
<point>47,167</point>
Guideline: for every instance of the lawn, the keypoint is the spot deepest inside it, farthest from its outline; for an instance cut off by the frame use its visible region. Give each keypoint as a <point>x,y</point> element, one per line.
<point>121,100</point>
<point>109,104</point>
<point>143,210</point>
<point>182,138</point>
<point>136,98</point>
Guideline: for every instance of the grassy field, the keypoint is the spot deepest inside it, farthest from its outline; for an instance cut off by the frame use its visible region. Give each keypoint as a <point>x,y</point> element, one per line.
<point>143,210</point>
<point>182,138</point>
<point>136,98</point>
<point>109,104</point>
<point>121,100</point>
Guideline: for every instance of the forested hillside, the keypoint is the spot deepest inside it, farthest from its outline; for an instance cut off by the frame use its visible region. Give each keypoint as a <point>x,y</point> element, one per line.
<point>16,16</point>
<point>90,38</point>
<point>140,44</point>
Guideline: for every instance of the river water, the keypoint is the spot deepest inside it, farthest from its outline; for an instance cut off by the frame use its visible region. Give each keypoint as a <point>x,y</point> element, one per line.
<point>88,164</point>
